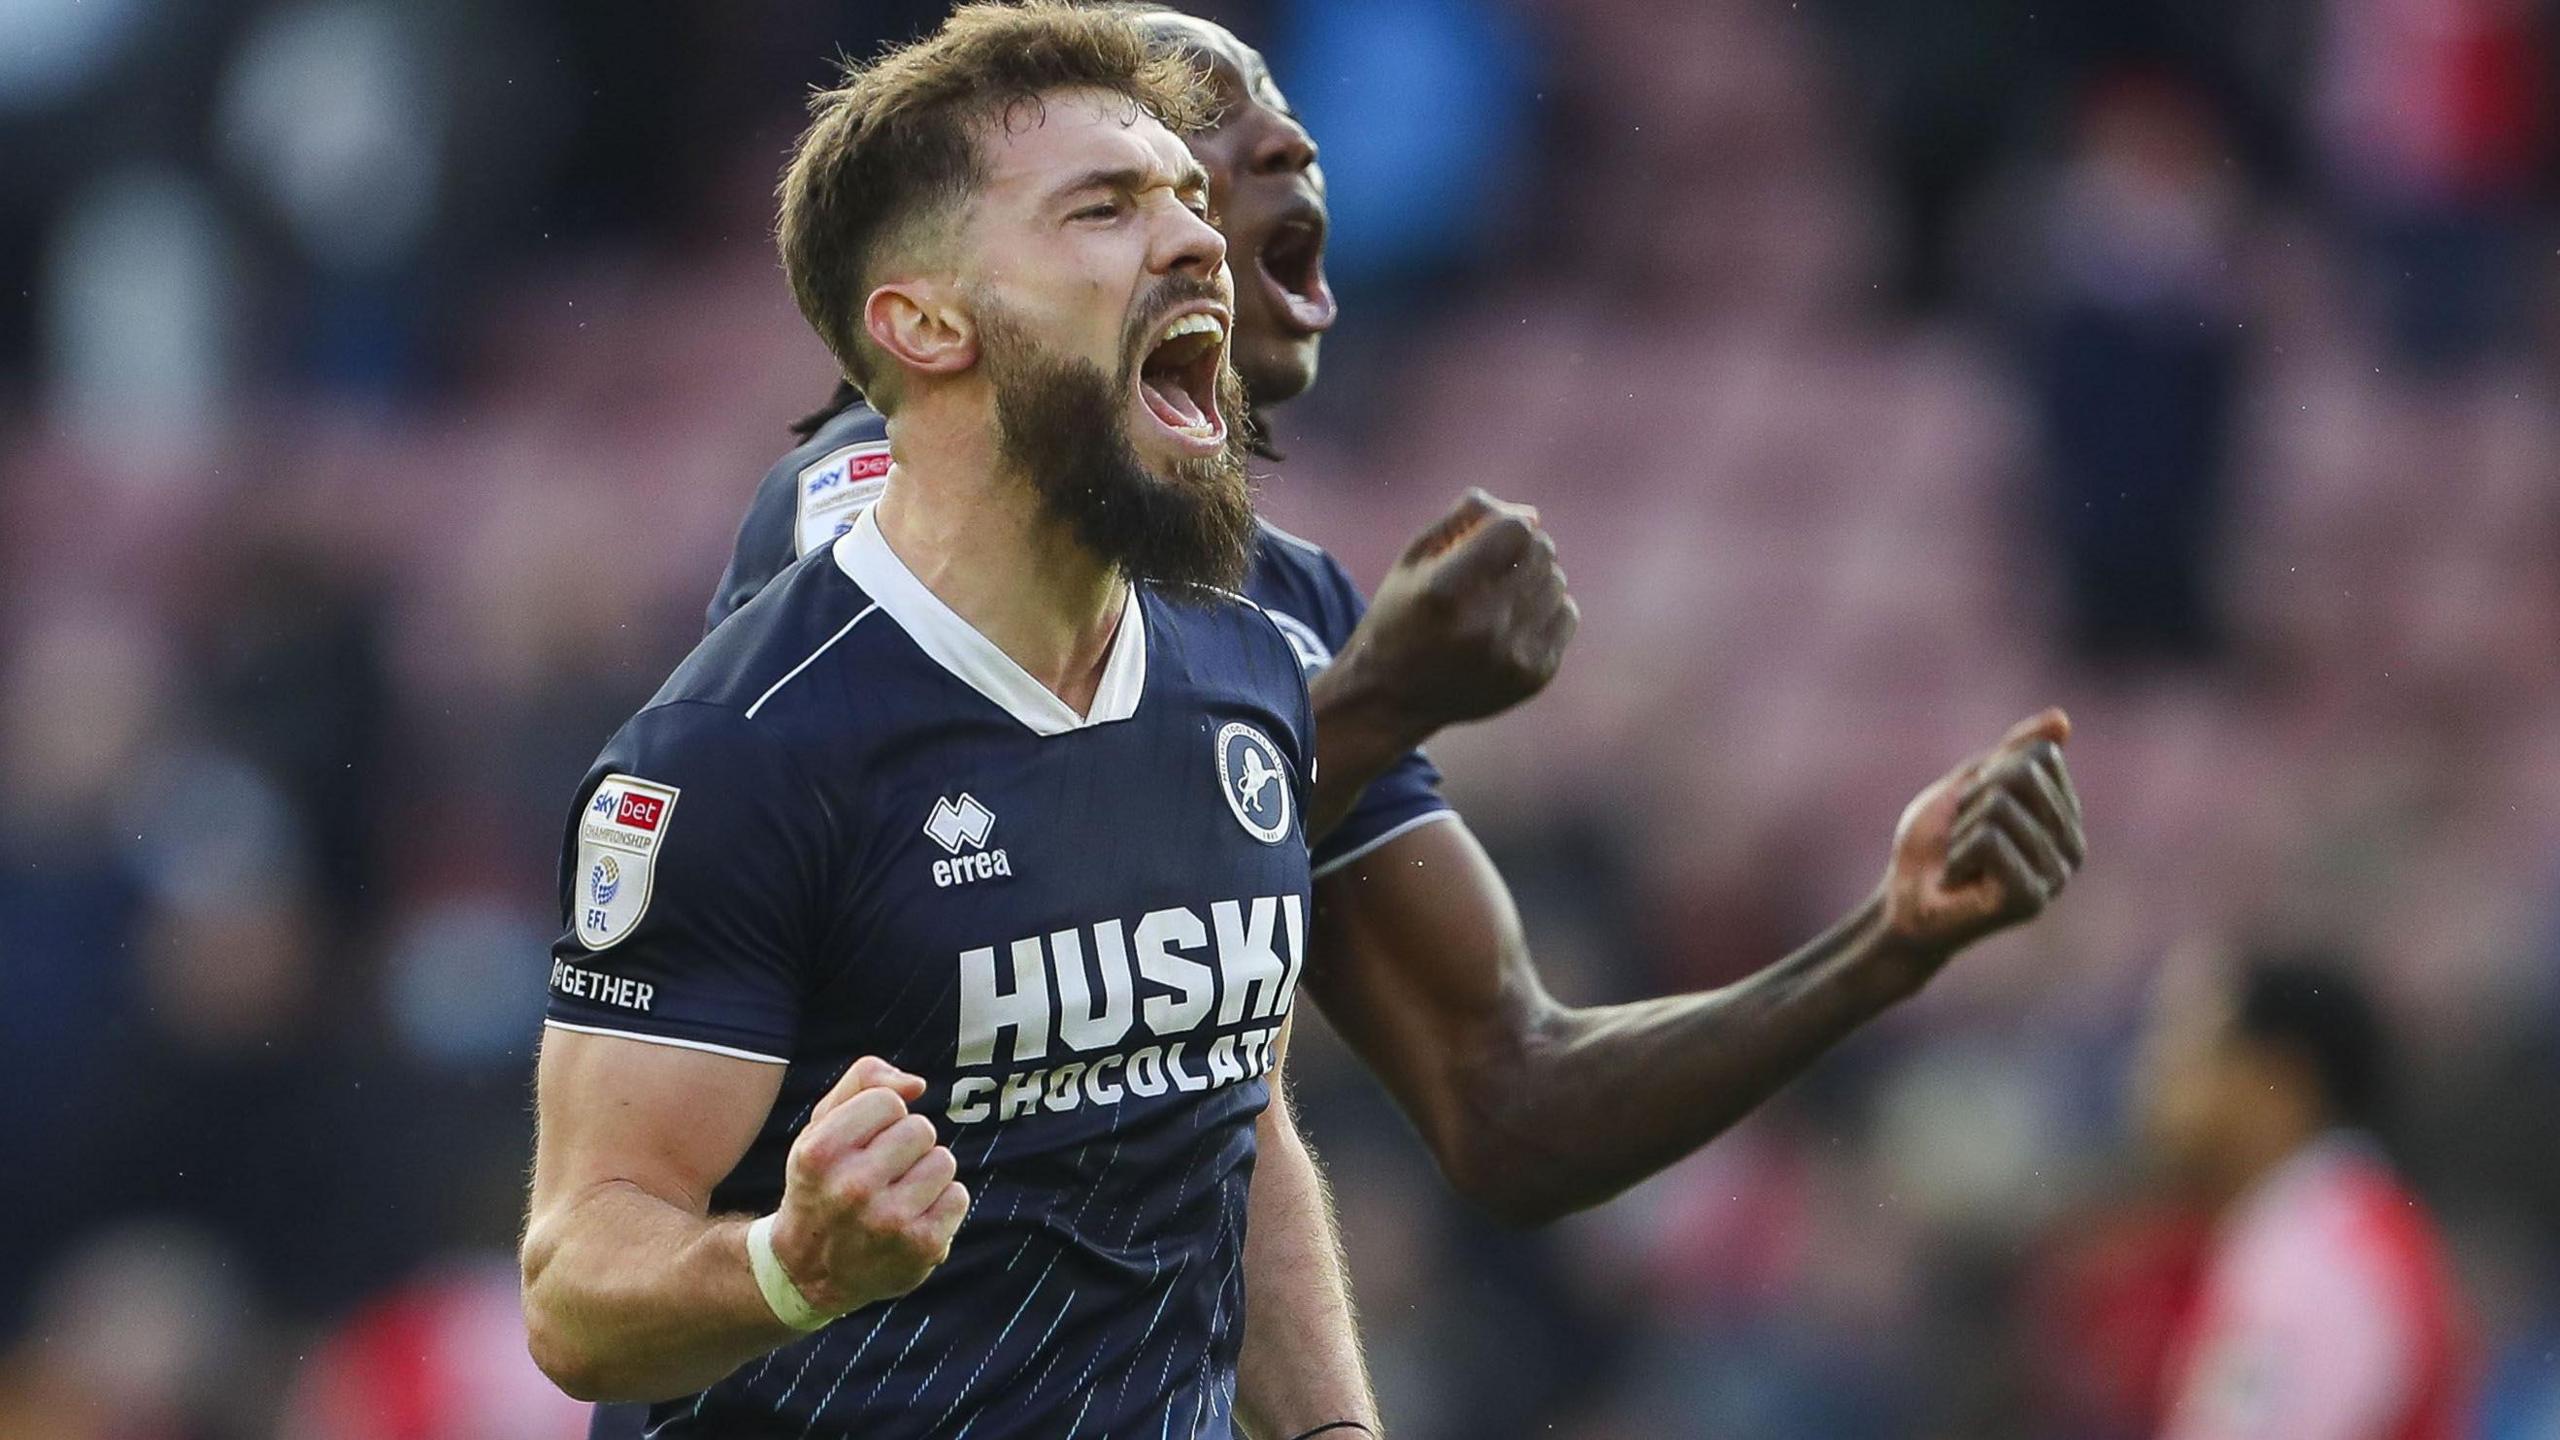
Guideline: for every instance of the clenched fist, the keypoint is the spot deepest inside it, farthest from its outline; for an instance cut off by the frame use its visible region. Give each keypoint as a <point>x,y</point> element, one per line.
<point>1473,619</point>
<point>869,1204</point>
<point>1989,845</point>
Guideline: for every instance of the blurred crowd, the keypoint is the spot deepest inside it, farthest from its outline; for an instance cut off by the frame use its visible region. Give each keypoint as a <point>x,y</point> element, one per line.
<point>380,383</point>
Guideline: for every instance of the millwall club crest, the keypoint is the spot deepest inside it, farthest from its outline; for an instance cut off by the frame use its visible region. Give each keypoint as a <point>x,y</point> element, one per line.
<point>1255,781</point>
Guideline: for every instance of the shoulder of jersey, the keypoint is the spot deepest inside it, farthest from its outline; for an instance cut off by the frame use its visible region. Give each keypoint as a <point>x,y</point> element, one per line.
<point>833,477</point>
<point>1276,549</point>
<point>1233,613</point>
<point>810,617</point>
<point>855,424</point>
<point>1273,535</point>
<point>1300,579</point>
<point>1279,555</point>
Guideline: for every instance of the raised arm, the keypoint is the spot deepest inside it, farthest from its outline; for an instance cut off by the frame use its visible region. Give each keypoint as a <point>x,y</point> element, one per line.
<point>1473,619</point>
<point>1534,1109</point>
<point>633,1290</point>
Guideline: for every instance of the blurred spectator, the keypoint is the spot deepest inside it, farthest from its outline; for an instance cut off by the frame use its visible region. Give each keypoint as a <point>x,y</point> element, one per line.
<point>143,1333</point>
<point>2101,1308</point>
<point>440,1357</point>
<point>2430,116</point>
<point>60,45</point>
<point>2136,356</point>
<point>2327,1310</point>
<point>140,311</point>
<point>251,1105</point>
<point>289,655</point>
<point>2522,1400</point>
<point>81,696</point>
<point>332,113</point>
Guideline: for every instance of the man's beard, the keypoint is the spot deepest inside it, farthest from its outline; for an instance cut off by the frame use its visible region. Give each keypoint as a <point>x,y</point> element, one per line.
<point>1064,424</point>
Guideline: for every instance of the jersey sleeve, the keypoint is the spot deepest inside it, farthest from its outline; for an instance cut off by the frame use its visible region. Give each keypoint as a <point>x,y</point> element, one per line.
<point>1408,794</point>
<point>689,882</point>
<point>1305,719</point>
<point>809,497</point>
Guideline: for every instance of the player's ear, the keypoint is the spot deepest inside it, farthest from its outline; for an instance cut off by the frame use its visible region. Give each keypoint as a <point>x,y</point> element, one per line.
<point>921,325</point>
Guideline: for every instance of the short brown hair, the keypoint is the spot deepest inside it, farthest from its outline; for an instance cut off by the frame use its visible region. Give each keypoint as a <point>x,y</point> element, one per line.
<point>894,148</point>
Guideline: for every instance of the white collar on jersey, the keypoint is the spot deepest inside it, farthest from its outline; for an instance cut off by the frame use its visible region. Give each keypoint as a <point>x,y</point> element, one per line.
<point>864,554</point>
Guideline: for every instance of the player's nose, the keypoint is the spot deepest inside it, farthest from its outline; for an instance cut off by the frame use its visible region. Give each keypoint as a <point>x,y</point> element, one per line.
<point>1188,244</point>
<point>1283,148</point>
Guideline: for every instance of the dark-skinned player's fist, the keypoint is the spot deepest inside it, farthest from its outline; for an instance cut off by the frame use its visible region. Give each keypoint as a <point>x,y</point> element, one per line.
<point>1473,619</point>
<point>1988,846</point>
<point>869,1204</point>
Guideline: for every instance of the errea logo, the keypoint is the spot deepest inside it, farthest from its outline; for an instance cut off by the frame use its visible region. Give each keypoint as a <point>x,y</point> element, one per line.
<point>964,824</point>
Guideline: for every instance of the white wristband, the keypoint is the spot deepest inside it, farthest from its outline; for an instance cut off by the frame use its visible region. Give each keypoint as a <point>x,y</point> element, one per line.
<point>789,1306</point>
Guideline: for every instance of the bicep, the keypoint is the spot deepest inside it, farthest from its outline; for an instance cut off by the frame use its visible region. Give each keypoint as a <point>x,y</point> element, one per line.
<point>669,1121</point>
<point>1419,960</point>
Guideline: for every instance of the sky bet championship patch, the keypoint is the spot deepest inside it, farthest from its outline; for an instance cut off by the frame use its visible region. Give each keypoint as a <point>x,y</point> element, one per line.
<point>837,488</point>
<point>618,840</point>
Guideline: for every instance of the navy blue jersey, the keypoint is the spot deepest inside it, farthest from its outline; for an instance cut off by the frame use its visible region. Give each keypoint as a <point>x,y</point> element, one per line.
<point>812,495</point>
<point>850,825</point>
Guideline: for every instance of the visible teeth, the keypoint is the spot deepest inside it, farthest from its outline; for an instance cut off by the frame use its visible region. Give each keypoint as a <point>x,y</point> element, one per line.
<point>1194,324</point>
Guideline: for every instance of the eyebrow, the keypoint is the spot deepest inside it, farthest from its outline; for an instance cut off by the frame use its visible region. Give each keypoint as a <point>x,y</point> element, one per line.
<point>1132,179</point>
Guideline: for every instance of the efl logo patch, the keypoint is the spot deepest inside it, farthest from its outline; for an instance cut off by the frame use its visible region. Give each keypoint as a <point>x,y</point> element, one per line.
<point>839,488</point>
<point>1255,781</point>
<point>618,840</point>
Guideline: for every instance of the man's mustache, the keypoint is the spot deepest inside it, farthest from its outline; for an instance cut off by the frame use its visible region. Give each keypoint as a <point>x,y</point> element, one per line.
<point>1169,295</point>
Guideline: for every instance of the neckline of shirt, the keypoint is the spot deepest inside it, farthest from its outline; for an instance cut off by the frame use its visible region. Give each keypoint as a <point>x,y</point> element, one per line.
<point>951,642</point>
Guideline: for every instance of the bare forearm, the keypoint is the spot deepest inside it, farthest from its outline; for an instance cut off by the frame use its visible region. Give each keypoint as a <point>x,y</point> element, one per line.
<point>1535,1110</point>
<point>1360,732</point>
<point>1301,1366</point>
<point>631,1298</point>
<point>1595,1100</point>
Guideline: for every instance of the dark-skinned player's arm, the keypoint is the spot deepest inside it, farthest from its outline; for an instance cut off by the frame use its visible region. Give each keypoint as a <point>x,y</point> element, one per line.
<point>1472,620</point>
<point>1301,1365</point>
<point>1534,1109</point>
<point>633,1290</point>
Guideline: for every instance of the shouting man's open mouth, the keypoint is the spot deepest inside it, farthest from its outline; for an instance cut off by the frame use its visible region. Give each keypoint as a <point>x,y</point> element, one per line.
<point>1178,379</point>
<point>1291,266</point>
